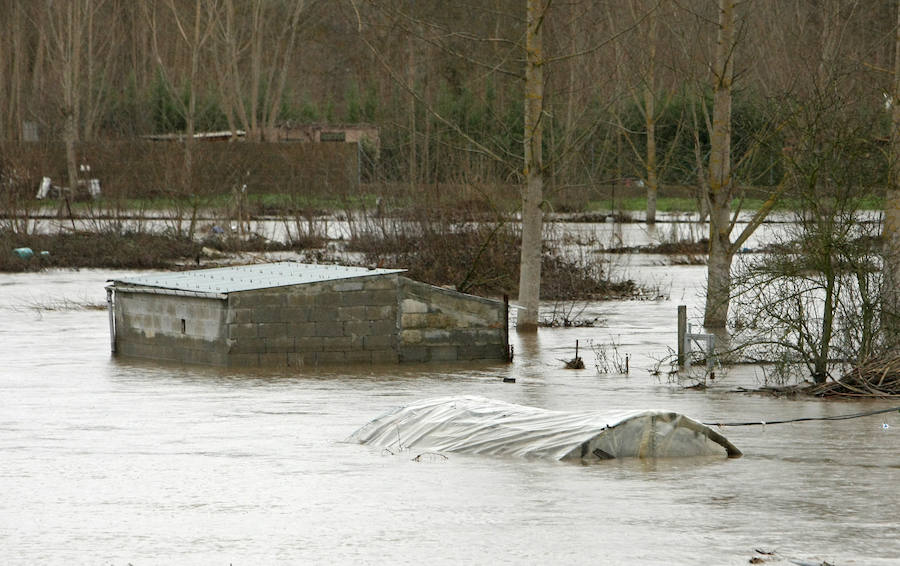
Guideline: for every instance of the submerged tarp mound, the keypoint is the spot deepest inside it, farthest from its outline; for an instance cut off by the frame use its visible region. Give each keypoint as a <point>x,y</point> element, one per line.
<point>475,425</point>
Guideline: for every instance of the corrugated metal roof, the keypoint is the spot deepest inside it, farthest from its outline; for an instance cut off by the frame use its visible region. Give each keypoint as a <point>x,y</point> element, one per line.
<point>249,277</point>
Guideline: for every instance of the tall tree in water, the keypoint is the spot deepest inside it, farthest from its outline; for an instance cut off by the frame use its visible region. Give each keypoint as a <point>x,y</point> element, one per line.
<point>719,183</point>
<point>532,193</point>
<point>891,230</point>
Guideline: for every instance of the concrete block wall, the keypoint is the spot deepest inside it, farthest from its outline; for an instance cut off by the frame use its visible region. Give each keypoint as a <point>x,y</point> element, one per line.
<point>441,325</point>
<point>169,327</point>
<point>332,322</point>
<point>371,319</point>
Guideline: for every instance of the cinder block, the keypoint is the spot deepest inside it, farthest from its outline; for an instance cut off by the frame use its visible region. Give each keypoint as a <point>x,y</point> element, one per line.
<point>295,314</point>
<point>336,343</point>
<point>413,320</point>
<point>331,357</point>
<point>440,320</point>
<point>308,344</point>
<point>358,298</point>
<point>414,354</point>
<point>272,330</point>
<point>435,336</point>
<point>247,346</point>
<point>273,359</point>
<point>329,329</point>
<point>269,298</point>
<point>242,331</point>
<point>301,329</point>
<point>323,313</point>
<point>384,327</point>
<point>381,283</point>
<point>328,299</point>
<point>352,313</point>
<point>388,312</point>
<point>300,299</point>
<point>348,285</point>
<point>378,342</point>
<point>354,328</point>
<point>280,344</point>
<point>409,305</point>
<point>443,354</point>
<point>411,337</point>
<point>413,306</point>
<point>302,359</point>
<point>267,314</point>
<point>239,316</point>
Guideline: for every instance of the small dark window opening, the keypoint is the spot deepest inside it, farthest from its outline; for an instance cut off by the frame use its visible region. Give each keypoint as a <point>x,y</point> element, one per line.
<point>183,326</point>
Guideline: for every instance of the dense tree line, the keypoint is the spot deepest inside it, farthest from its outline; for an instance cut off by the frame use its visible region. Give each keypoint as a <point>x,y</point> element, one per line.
<point>436,76</point>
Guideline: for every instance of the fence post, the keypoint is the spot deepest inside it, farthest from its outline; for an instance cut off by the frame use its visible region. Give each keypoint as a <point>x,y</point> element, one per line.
<point>682,329</point>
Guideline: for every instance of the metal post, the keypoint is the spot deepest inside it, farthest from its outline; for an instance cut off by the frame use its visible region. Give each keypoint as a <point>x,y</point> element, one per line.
<point>682,330</point>
<point>112,319</point>
<point>506,327</point>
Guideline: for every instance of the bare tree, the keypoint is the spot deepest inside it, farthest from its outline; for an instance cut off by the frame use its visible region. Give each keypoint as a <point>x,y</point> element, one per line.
<point>253,62</point>
<point>193,27</point>
<point>66,28</point>
<point>532,194</point>
<point>719,183</point>
<point>891,230</point>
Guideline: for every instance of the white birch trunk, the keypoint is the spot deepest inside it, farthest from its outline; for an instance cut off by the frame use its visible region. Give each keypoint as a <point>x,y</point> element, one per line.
<point>532,196</point>
<point>718,287</point>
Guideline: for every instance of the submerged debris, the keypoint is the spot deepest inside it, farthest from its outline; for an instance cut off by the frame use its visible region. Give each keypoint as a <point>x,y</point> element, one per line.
<point>874,378</point>
<point>576,362</point>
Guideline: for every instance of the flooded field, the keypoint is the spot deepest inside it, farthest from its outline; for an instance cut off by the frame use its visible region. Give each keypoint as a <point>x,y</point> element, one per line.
<point>112,461</point>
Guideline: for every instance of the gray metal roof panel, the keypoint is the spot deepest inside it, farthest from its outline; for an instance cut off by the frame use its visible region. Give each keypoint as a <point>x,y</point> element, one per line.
<point>250,277</point>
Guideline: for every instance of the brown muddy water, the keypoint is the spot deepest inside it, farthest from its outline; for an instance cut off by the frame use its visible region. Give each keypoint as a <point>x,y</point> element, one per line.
<point>108,461</point>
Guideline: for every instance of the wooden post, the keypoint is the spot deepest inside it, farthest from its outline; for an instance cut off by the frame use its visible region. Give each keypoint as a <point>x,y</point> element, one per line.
<point>682,330</point>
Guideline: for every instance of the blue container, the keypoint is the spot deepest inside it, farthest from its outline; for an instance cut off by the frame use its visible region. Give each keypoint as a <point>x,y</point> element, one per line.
<point>24,253</point>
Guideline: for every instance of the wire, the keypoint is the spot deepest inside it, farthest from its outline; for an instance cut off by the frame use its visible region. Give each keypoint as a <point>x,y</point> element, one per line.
<point>803,419</point>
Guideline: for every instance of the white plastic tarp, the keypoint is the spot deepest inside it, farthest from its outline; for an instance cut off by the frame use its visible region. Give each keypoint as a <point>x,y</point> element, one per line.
<point>475,425</point>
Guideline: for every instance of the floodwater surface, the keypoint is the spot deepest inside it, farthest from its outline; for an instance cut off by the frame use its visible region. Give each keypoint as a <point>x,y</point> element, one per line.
<point>105,460</point>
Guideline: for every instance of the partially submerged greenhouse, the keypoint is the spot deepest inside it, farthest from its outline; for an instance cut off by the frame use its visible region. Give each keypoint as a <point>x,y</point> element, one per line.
<point>475,425</point>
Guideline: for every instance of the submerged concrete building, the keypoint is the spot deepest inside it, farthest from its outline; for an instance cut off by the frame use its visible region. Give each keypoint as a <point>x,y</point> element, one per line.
<point>294,314</point>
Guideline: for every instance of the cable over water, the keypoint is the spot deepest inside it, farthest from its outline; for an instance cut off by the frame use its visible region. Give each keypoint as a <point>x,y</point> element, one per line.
<point>803,419</point>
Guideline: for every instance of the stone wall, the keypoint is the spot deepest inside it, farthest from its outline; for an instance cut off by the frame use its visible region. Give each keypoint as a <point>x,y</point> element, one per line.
<point>344,321</point>
<point>169,327</point>
<point>442,325</point>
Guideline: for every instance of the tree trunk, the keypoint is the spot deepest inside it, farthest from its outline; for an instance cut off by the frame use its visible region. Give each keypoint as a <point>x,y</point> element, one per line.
<point>718,282</point>
<point>820,368</point>
<point>650,118</point>
<point>718,289</point>
<point>70,47</point>
<point>532,196</point>
<point>891,229</point>
<point>411,83</point>
<point>253,133</point>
